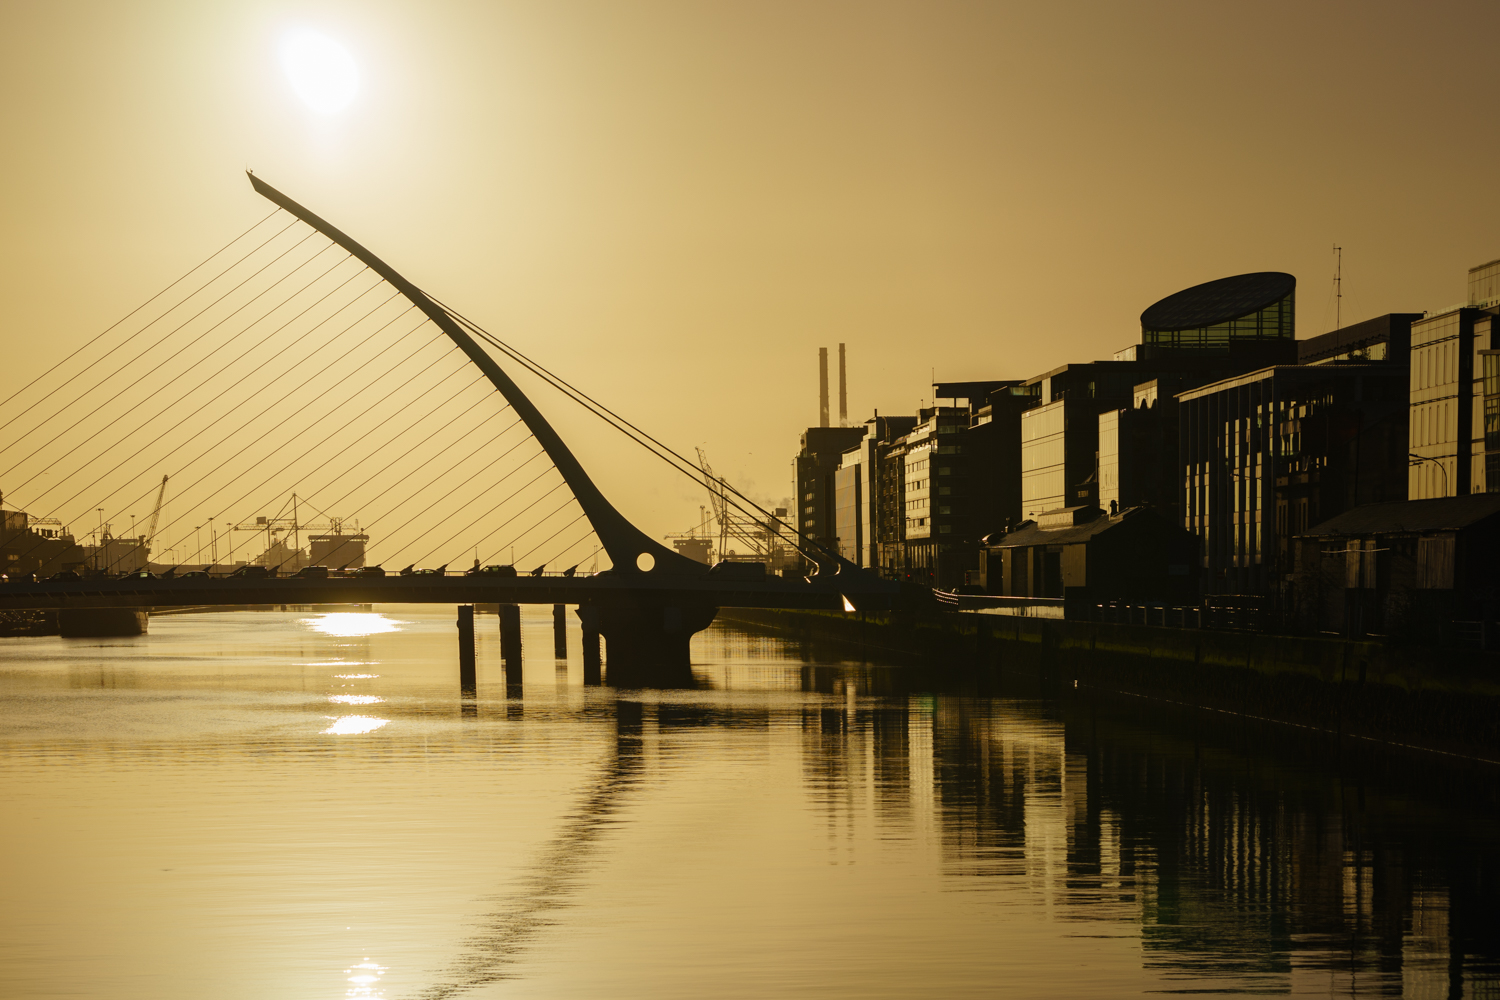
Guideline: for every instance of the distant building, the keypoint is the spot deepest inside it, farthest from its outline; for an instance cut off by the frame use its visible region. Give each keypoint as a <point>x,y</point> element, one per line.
<point>698,549</point>
<point>1202,334</point>
<point>1384,338</point>
<point>337,550</point>
<point>1266,455</point>
<point>1402,569</point>
<point>939,530</point>
<point>817,463</point>
<point>849,505</point>
<point>1444,348</point>
<point>41,546</point>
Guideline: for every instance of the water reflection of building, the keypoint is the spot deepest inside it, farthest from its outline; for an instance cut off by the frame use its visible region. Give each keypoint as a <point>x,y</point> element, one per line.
<point>1245,862</point>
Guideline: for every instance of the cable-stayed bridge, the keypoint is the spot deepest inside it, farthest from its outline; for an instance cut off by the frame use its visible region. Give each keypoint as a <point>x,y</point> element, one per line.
<point>295,359</point>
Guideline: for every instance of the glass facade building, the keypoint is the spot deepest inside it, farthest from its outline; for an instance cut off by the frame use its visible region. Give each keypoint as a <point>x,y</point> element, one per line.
<point>1218,315</point>
<point>1265,456</point>
<point>1440,423</point>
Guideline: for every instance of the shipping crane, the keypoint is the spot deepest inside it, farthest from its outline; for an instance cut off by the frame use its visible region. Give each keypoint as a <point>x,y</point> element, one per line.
<point>155,514</point>
<point>762,539</point>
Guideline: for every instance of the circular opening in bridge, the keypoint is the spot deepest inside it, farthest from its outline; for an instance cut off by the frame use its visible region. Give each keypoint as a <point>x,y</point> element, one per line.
<point>645,562</point>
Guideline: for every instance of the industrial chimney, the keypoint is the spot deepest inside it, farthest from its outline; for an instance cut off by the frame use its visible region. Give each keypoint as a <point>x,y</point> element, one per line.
<point>843,393</point>
<point>822,387</point>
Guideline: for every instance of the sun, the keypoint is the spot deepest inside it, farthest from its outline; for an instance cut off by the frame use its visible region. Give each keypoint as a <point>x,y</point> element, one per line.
<point>322,71</point>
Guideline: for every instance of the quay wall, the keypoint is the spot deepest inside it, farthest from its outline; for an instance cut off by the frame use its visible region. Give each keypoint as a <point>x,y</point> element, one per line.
<point>1434,699</point>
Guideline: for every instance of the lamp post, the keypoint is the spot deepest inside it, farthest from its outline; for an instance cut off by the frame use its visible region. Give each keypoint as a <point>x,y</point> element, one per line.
<point>1415,460</point>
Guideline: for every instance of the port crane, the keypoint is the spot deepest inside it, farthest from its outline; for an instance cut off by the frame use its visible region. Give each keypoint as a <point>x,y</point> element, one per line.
<point>761,539</point>
<point>155,515</point>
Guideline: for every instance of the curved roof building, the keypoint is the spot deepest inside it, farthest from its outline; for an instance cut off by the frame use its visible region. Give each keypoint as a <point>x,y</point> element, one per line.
<point>1259,306</point>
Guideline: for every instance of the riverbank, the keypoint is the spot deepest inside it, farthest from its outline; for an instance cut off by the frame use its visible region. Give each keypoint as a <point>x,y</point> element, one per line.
<point>1432,699</point>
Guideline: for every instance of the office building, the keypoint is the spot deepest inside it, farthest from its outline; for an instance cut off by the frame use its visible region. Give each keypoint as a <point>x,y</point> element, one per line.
<point>1199,335</point>
<point>1385,338</point>
<point>1264,456</point>
<point>817,464</point>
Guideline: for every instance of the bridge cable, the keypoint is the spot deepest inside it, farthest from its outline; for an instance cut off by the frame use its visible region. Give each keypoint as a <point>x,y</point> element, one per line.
<point>571,546</point>
<point>455,489</point>
<point>325,416</point>
<point>418,444</point>
<point>544,519</point>
<point>620,424</point>
<point>242,402</point>
<point>549,538</point>
<point>487,513</point>
<point>144,399</point>
<point>268,408</point>
<point>414,447</point>
<point>133,360</point>
<point>138,308</point>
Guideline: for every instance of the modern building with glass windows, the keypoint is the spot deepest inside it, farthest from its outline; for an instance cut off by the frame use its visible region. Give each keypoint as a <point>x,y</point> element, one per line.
<point>1246,312</point>
<point>1442,389</point>
<point>1267,455</point>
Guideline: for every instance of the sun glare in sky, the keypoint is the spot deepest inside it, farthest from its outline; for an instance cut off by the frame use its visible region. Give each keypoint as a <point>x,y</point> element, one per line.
<point>321,70</point>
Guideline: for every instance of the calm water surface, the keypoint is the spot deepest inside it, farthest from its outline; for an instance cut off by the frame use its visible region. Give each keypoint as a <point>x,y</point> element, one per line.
<point>300,804</point>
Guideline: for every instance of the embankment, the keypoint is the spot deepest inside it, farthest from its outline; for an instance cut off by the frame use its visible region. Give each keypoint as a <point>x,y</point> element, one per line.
<point>1433,699</point>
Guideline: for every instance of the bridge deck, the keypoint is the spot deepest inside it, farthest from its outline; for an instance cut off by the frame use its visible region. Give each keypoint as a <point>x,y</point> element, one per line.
<point>142,593</point>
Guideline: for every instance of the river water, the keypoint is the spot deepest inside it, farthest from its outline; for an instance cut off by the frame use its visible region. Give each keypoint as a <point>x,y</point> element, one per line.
<point>301,804</point>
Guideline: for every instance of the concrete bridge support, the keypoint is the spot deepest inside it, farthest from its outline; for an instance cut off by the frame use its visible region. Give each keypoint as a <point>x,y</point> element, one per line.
<point>467,675</point>
<point>593,672</point>
<point>100,623</point>
<point>560,631</point>
<point>648,640</point>
<point>510,639</point>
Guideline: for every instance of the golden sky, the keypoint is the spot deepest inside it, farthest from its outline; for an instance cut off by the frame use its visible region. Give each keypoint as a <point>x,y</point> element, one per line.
<point>675,204</point>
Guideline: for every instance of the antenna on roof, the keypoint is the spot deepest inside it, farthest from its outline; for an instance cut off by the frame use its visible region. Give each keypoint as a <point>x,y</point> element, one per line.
<point>1338,287</point>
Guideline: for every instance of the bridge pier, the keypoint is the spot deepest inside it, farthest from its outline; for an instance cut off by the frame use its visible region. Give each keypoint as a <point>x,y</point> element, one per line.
<point>93,623</point>
<point>588,617</point>
<point>560,631</point>
<point>510,638</point>
<point>648,640</point>
<point>467,678</point>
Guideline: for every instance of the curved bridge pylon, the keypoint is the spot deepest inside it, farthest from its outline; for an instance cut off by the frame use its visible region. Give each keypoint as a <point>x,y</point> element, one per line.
<point>623,541</point>
<point>647,628</point>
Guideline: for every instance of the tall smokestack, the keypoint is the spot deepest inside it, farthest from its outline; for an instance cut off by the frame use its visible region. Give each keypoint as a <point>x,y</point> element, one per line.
<point>843,393</point>
<point>822,387</point>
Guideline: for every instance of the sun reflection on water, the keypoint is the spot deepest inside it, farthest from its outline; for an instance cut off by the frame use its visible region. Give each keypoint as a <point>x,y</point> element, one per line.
<point>353,623</point>
<point>355,699</point>
<point>365,977</point>
<point>353,725</point>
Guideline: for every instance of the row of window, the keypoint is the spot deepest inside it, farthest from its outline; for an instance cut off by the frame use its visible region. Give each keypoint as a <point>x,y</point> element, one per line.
<point>1435,365</point>
<point>1430,425</point>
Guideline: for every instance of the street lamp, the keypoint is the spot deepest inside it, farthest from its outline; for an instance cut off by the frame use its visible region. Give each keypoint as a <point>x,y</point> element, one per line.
<point>1415,460</point>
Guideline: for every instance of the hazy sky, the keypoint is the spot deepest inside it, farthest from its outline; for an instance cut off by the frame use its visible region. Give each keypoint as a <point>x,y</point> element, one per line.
<point>675,204</point>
